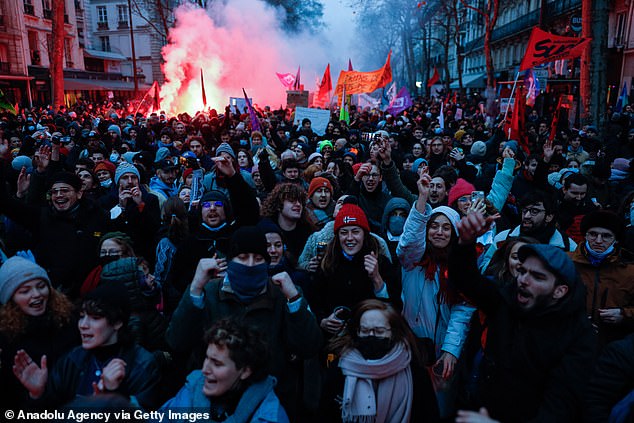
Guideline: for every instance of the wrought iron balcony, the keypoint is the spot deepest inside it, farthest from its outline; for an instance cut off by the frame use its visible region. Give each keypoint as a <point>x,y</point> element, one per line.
<point>29,9</point>
<point>102,25</point>
<point>47,14</point>
<point>559,7</point>
<point>5,68</point>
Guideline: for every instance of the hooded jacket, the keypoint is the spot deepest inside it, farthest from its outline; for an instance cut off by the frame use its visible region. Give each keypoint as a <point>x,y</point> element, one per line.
<point>258,401</point>
<point>536,363</point>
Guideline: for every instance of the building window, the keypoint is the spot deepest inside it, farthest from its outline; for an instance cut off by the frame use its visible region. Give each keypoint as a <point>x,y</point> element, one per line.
<point>102,17</point>
<point>28,7</point>
<point>122,13</point>
<point>46,8</point>
<point>68,53</point>
<point>619,35</point>
<point>105,43</point>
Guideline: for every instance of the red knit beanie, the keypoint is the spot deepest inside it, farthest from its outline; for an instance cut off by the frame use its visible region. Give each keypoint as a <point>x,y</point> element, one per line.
<point>187,172</point>
<point>355,167</point>
<point>106,165</point>
<point>351,215</point>
<point>461,188</point>
<point>317,183</point>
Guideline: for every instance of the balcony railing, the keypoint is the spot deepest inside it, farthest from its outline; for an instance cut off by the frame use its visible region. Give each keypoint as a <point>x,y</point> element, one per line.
<point>29,9</point>
<point>123,24</point>
<point>48,14</point>
<point>102,25</point>
<point>66,19</point>
<point>559,7</point>
<point>515,27</point>
<point>5,68</point>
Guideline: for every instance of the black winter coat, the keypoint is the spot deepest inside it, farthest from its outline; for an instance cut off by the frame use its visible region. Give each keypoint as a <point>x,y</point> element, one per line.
<point>536,364</point>
<point>65,244</point>
<point>613,379</point>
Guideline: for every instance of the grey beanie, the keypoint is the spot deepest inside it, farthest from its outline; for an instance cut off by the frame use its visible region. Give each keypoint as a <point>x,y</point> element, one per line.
<point>124,168</point>
<point>225,148</point>
<point>479,149</point>
<point>14,272</point>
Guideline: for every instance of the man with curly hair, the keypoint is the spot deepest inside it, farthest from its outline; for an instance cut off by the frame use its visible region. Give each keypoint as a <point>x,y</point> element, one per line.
<point>285,206</point>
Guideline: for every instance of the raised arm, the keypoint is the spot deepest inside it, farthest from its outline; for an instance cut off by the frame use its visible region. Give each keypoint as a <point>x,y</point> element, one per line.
<point>411,245</point>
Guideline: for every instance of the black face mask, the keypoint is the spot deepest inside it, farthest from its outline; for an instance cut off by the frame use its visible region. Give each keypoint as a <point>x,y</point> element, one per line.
<point>108,259</point>
<point>372,347</point>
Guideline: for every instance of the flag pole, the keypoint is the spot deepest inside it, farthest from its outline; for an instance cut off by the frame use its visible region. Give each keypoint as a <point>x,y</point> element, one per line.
<point>517,75</point>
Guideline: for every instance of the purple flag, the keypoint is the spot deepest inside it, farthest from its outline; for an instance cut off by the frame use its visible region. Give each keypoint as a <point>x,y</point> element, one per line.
<point>255,123</point>
<point>401,102</point>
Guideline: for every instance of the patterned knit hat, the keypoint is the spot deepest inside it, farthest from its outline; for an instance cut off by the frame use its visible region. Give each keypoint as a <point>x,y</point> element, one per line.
<point>351,215</point>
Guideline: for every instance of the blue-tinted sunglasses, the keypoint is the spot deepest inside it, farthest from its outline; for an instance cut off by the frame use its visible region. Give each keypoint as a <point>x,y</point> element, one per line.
<point>208,204</point>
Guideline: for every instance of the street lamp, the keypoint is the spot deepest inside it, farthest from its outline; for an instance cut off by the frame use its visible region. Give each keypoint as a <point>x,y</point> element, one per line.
<point>136,82</point>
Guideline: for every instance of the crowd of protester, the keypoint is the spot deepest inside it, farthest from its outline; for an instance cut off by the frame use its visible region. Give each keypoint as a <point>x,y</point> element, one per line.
<point>388,270</point>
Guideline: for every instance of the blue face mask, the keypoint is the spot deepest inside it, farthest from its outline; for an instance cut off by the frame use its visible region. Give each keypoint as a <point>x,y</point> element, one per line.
<point>114,158</point>
<point>106,183</point>
<point>247,282</point>
<point>395,225</point>
<point>438,131</point>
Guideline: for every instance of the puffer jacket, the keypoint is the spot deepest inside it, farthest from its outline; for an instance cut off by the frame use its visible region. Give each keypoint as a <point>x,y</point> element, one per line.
<point>147,325</point>
<point>446,324</point>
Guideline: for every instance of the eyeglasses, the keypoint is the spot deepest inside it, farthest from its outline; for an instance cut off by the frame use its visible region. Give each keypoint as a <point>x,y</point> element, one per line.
<point>208,204</point>
<point>373,331</point>
<point>372,176</point>
<point>533,211</point>
<point>107,253</point>
<point>59,191</point>
<point>592,235</point>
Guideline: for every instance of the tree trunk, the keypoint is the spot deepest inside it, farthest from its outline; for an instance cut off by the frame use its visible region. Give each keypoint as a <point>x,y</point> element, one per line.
<point>490,90</point>
<point>57,56</point>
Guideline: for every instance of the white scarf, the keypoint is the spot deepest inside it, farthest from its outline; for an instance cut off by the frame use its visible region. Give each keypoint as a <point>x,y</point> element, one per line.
<point>394,395</point>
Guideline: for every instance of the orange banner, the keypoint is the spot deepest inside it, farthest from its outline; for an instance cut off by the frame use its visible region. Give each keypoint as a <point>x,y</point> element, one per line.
<point>364,82</point>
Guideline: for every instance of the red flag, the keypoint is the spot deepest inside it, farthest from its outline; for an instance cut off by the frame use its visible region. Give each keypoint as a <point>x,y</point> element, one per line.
<point>157,100</point>
<point>544,47</point>
<point>434,78</point>
<point>516,128</point>
<point>454,99</point>
<point>555,122</point>
<point>350,65</point>
<point>324,89</point>
<point>296,84</point>
<point>202,88</point>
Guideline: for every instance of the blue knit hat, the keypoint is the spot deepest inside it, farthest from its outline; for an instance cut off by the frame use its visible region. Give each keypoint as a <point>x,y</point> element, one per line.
<point>124,168</point>
<point>417,164</point>
<point>22,161</point>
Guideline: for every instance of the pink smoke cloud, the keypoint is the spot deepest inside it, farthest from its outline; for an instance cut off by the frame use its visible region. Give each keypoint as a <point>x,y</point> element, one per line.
<point>242,46</point>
